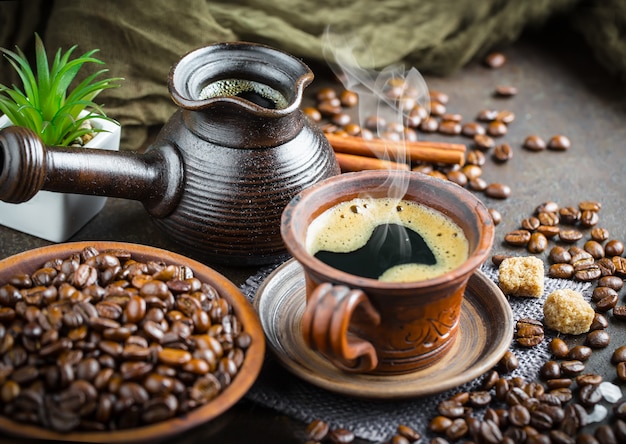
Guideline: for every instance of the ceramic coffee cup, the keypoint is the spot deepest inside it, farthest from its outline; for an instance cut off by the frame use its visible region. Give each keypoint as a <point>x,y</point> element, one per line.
<point>363,324</point>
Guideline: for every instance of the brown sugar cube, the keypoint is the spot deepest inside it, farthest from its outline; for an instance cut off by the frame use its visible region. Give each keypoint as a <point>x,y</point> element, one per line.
<point>521,276</point>
<point>566,311</point>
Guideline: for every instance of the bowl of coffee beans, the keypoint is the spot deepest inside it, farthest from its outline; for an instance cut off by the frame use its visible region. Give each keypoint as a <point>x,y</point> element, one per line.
<point>117,342</point>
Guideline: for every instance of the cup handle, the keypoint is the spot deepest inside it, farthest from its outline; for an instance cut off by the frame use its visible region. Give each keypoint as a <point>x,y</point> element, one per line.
<point>325,322</point>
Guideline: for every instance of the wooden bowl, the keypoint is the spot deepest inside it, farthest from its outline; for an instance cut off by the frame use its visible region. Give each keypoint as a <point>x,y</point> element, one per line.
<point>29,261</point>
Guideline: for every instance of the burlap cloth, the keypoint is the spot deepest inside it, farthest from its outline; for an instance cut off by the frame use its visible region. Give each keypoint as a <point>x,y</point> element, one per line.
<point>140,40</point>
<point>376,420</point>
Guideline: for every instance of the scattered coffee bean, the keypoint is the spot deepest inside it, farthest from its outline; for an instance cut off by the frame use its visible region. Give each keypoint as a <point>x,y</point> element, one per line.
<point>502,153</point>
<point>619,312</point>
<point>529,332</point>
<point>559,143</point>
<point>561,271</point>
<point>537,243</point>
<point>599,322</point>
<point>495,216</point>
<point>498,191</point>
<point>472,129</point>
<point>534,143</point>
<point>614,248</point>
<point>598,339</point>
<point>570,236</point>
<point>559,255</point>
<point>518,238</point>
<point>505,91</point>
<point>484,142</point>
<point>497,128</point>
<point>495,60</point>
<point>559,348</point>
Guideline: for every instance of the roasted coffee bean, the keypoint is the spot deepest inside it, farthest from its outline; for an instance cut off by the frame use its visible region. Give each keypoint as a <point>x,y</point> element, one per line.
<point>502,152</point>
<point>570,236</point>
<point>619,312</point>
<point>611,282</point>
<point>312,113</point>
<point>558,383</point>
<point>529,332</point>
<point>606,266</point>
<point>561,271</point>
<point>591,205</point>
<point>601,292</point>
<point>559,348</point>
<point>484,142</point>
<point>450,409</point>
<point>497,259</point>
<point>594,248</point>
<point>505,91</point>
<point>475,157</point>
<point>457,430</point>
<point>519,416</point>
<point>472,129</point>
<point>440,423</point>
<point>599,322</point>
<point>572,367</point>
<point>559,255</point>
<point>530,223</point>
<point>508,362</point>
<point>534,143</point>
<point>317,430</point>
<point>497,128</point>
<point>605,435</point>
<point>498,191</point>
<point>547,207</point>
<point>559,143</point>
<point>614,248</point>
<point>409,433</point>
<point>580,353</point>
<point>549,231</point>
<point>496,217</point>
<point>620,265</point>
<point>599,234</point>
<point>589,218</point>
<point>518,238</point>
<point>429,125</point>
<point>588,379</point>
<point>550,370</point>
<point>607,303</point>
<point>537,243</point>
<point>598,339</point>
<point>587,272</point>
<point>340,436</point>
<point>472,171</point>
<point>548,218</point>
<point>450,127</point>
<point>495,60</point>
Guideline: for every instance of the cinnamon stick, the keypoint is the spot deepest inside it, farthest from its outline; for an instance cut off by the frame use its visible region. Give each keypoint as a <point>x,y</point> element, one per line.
<point>353,162</point>
<point>416,151</point>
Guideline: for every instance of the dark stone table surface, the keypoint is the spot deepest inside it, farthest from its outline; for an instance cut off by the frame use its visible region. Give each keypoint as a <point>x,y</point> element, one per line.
<point>562,90</point>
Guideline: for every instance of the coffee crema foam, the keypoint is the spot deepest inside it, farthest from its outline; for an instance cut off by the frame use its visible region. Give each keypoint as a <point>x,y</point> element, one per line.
<point>349,225</point>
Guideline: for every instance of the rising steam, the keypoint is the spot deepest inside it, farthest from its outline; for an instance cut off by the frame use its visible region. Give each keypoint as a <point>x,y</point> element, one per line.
<point>389,94</point>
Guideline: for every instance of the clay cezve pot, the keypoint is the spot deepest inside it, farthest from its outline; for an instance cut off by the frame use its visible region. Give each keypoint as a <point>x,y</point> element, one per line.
<point>222,168</point>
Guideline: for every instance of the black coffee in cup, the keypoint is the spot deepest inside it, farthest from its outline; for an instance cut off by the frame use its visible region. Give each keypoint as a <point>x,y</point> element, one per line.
<point>387,239</point>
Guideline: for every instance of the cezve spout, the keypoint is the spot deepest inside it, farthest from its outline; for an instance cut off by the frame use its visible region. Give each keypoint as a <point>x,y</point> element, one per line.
<point>28,166</point>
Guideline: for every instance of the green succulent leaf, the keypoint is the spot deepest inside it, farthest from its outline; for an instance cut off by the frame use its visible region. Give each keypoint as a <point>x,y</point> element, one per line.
<point>46,103</point>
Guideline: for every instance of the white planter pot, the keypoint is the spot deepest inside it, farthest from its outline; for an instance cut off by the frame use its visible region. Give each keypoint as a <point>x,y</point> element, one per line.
<point>58,216</point>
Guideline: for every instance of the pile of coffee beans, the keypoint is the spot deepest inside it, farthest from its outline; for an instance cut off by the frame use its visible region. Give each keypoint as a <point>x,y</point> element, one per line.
<point>100,341</point>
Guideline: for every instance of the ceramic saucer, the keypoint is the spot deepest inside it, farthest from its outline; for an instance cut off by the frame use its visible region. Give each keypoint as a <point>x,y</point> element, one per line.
<point>486,332</point>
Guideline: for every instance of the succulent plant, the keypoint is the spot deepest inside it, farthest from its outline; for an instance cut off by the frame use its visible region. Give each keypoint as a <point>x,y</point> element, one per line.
<point>46,104</point>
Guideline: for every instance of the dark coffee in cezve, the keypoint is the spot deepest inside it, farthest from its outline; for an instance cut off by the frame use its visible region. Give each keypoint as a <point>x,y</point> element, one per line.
<point>387,239</point>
